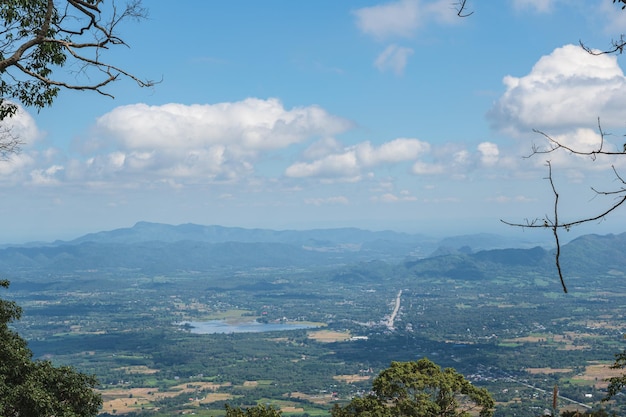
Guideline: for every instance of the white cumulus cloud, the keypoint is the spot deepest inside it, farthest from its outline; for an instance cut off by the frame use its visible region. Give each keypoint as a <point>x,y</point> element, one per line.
<point>22,127</point>
<point>13,169</point>
<point>46,176</point>
<point>362,160</point>
<point>204,141</point>
<point>428,168</point>
<point>322,148</point>
<point>569,87</point>
<point>584,140</point>
<point>350,162</point>
<point>397,150</point>
<point>253,124</point>
<point>489,153</point>
<point>344,165</point>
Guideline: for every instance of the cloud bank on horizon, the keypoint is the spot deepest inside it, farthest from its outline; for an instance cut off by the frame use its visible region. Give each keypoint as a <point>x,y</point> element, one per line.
<point>316,149</point>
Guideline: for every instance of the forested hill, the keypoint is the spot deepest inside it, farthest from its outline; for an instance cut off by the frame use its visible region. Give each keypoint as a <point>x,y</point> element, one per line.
<point>589,255</point>
<point>152,247</point>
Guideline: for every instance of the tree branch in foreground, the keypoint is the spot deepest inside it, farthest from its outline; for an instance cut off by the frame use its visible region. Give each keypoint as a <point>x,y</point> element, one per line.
<point>44,41</point>
<point>10,144</point>
<point>462,9</point>
<point>553,223</point>
<point>41,37</point>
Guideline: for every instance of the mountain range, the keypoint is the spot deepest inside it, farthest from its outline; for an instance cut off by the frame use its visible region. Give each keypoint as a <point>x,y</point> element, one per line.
<point>162,248</point>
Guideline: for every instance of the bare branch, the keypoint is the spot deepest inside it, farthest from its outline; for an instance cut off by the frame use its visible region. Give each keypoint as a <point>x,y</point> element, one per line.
<point>536,223</point>
<point>555,145</point>
<point>10,144</point>
<point>554,223</point>
<point>617,47</point>
<point>461,9</point>
<point>555,228</point>
<point>112,72</point>
<point>22,49</point>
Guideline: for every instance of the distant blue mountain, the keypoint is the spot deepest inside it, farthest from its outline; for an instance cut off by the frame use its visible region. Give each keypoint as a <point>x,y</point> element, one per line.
<point>147,232</point>
<point>153,247</point>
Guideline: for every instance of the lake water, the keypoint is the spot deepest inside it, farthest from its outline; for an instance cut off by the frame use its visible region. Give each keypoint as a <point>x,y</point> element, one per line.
<point>220,326</point>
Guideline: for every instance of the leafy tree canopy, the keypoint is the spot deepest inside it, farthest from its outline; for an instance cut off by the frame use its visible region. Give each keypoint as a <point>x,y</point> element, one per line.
<point>37,388</point>
<point>256,411</point>
<point>419,389</point>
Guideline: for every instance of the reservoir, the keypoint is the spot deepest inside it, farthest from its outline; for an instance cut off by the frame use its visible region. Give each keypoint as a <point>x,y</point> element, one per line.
<point>221,326</point>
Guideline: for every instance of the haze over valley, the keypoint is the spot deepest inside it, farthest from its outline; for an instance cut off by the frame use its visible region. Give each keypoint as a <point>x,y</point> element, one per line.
<point>312,316</point>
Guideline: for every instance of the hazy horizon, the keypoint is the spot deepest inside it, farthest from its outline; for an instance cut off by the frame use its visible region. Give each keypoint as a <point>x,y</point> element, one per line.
<point>388,115</point>
<point>538,236</point>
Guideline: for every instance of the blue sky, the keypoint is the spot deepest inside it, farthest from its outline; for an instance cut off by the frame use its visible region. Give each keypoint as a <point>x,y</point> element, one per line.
<point>291,114</point>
